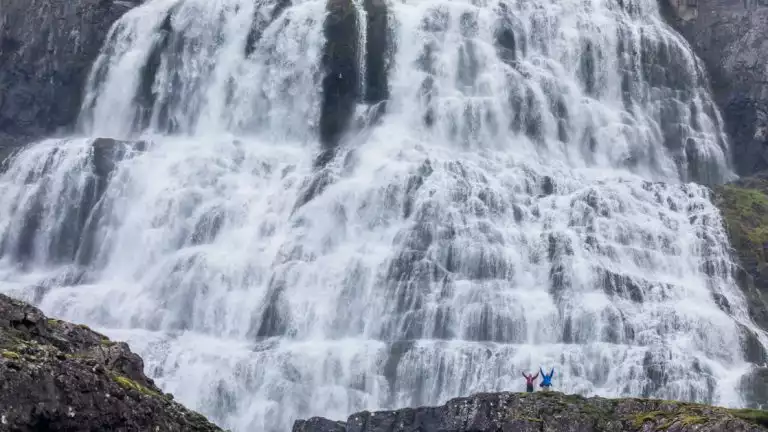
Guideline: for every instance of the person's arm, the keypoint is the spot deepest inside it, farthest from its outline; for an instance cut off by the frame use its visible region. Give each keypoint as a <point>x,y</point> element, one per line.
<point>542,371</point>
<point>536,376</point>
<point>524,375</point>
<point>552,372</point>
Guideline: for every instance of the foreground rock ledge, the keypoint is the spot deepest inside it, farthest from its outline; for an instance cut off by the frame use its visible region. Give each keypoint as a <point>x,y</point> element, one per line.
<point>551,412</point>
<point>58,376</point>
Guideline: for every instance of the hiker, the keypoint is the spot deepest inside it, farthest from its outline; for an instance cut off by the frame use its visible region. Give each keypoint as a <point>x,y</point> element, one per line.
<point>529,381</point>
<point>546,380</point>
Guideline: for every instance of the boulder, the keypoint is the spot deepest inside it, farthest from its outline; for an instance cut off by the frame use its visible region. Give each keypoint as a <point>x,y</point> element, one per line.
<point>56,376</point>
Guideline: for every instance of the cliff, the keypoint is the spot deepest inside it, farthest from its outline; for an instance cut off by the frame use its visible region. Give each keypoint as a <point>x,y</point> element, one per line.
<point>744,207</point>
<point>58,376</point>
<point>729,36</point>
<point>46,51</point>
<point>552,412</point>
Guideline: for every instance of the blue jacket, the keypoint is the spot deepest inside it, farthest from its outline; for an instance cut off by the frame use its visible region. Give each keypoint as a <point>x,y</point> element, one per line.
<point>546,380</point>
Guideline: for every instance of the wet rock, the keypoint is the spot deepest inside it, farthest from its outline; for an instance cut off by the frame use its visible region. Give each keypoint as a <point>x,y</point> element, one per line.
<point>547,411</point>
<point>46,51</point>
<point>754,351</point>
<point>378,51</point>
<point>729,36</point>
<point>341,84</point>
<point>55,376</point>
<point>754,388</point>
<point>107,152</point>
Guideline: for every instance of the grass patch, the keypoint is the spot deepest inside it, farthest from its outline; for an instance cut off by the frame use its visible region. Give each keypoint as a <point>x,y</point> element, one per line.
<point>130,384</point>
<point>759,417</point>
<point>693,420</point>
<point>107,342</point>
<point>10,355</point>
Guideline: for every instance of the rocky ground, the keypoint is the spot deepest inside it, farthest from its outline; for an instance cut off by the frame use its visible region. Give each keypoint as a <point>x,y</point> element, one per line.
<point>551,412</point>
<point>58,376</point>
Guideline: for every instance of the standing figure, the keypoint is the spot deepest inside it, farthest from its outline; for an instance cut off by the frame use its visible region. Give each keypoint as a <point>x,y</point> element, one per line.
<point>529,379</point>
<point>546,380</point>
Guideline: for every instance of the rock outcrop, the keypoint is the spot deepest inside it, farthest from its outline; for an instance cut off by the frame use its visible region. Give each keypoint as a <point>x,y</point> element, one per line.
<point>58,376</point>
<point>729,36</point>
<point>549,411</point>
<point>46,51</point>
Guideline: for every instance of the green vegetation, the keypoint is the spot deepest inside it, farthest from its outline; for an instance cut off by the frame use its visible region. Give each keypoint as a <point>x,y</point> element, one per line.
<point>107,342</point>
<point>755,416</point>
<point>746,213</point>
<point>130,384</point>
<point>652,417</point>
<point>11,355</point>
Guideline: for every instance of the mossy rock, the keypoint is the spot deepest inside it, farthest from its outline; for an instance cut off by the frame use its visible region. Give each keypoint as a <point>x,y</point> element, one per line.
<point>11,355</point>
<point>130,384</point>
<point>752,415</point>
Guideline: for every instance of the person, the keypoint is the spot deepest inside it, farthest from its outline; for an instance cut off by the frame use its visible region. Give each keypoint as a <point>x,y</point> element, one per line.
<point>546,380</point>
<point>529,381</point>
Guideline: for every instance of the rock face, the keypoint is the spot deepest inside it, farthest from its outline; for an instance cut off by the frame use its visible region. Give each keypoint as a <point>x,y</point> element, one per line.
<point>46,51</point>
<point>58,376</point>
<point>551,412</point>
<point>744,206</point>
<point>729,36</point>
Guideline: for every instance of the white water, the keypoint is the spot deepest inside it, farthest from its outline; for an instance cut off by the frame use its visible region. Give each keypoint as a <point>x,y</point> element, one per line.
<point>435,264</point>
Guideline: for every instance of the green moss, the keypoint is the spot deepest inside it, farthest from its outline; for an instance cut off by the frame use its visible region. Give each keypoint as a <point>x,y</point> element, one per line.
<point>746,214</point>
<point>11,355</point>
<point>52,321</point>
<point>759,417</point>
<point>689,420</point>
<point>107,342</point>
<point>130,384</point>
<point>651,417</point>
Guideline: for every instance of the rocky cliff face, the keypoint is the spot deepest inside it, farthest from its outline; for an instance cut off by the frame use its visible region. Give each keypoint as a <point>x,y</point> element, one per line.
<point>58,376</point>
<point>744,206</point>
<point>729,36</point>
<point>552,412</point>
<point>46,51</point>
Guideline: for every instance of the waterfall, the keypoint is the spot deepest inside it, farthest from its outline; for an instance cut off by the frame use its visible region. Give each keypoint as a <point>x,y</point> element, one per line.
<point>292,208</point>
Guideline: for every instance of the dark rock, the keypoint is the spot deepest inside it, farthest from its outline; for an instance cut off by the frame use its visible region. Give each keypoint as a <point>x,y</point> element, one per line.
<point>46,51</point>
<point>108,152</point>
<point>754,387</point>
<point>729,36</point>
<point>547,411</point>
<point>341,83</point>
<point>319,424</point>
<point>754,351</point>
<point>378,49</point>
<point>58,376</point>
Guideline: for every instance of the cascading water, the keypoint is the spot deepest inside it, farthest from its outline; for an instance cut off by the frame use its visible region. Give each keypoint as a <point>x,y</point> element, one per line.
<point>512,191</point>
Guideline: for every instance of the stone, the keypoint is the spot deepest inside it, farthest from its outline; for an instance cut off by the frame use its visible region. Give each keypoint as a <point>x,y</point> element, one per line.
<point>56,375</point>
<point>547,411</point>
